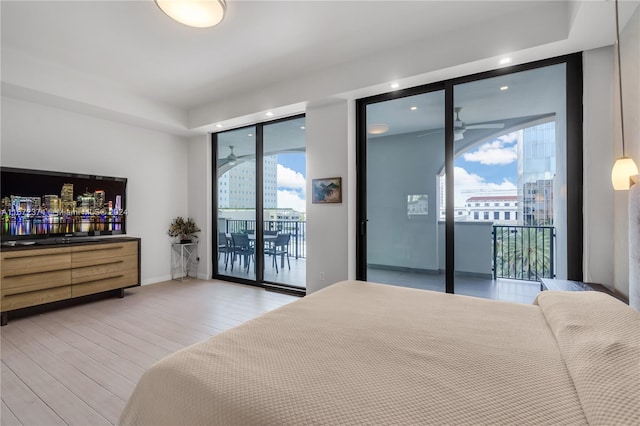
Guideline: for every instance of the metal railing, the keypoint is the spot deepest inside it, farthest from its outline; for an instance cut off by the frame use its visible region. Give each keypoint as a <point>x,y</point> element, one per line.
<point>297,229</point>
<point>523,252</point>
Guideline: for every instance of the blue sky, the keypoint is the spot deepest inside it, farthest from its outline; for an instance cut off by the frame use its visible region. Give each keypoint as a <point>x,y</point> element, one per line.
<point>491,174</point>
<point>296,162</point>
<point>489,169</point>
<point>292,173</point>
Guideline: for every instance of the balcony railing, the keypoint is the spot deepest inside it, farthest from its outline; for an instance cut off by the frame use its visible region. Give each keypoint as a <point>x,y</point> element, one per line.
<point>297,229</point>
<point>523,252</point>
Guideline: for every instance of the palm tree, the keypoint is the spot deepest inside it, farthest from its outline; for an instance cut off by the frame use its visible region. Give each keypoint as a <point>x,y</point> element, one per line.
<point>524,252</point>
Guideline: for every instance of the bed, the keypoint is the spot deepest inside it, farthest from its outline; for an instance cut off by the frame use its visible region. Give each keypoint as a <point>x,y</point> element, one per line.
<point>365,353</point>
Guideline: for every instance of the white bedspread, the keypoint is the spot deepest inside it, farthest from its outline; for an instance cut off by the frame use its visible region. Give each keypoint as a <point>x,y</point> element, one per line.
<point>364,353</point>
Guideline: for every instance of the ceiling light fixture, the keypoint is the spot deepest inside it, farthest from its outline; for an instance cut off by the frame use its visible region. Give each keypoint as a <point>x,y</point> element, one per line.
<point>219,126</point>
<point>194,13</point>
<point>505,61</point>
<point>269,114</point>
<point>394,85</point>
<point>503,88</point>
<point>413,108</point>
<point>377,129</point>
<point>624,168</point>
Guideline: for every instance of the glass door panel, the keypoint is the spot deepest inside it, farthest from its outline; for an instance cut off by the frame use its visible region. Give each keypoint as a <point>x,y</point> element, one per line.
<point>509,176</point>
<point>236,215</point>
<point>284,205</point>
<point>405,230</point>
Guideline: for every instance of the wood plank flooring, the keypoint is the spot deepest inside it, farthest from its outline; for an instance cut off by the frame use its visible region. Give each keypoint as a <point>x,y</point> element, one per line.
<point>79,365</point>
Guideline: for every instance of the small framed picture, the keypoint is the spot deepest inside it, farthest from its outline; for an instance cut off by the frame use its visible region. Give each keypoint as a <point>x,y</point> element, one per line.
<point>327,190</point>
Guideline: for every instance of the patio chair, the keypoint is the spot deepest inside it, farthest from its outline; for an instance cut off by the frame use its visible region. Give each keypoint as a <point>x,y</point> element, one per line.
<point>224,246</point>
<point>280,248</point>
<point>241,246</point>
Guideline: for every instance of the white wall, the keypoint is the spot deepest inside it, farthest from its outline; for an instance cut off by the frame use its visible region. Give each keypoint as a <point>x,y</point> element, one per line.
<point>630,65</point>
<point>598,196</point>
<point>200,199</point>
<point>155,164</point>
<point>606,214</point>
<point>328,240</point>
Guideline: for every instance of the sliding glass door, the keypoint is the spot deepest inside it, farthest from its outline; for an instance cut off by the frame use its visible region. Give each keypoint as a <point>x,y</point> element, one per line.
<point>260,204</point>
<point>510,143</point>
<point>473,185</point>
<point>284,203</point>
<point>404,157</point>
<point>236,207</point>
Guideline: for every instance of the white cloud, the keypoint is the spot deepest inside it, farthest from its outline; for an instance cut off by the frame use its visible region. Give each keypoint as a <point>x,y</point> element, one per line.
<point>511,137</point>
<point>500,151</point>
<point>291,199</point>
<point>469,184</point>
<point>289,178</point>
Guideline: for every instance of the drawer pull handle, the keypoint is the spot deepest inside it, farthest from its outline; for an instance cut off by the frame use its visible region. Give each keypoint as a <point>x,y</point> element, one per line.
<point>35,273</point>
<point>9,257</point>
<point>99,264</point>
<point>99,279</point>
<point>100,249</point>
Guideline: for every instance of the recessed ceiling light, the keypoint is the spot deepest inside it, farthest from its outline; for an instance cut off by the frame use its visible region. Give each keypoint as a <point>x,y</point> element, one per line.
<point>219,126</point>
<point>505,61</point>
<point>413,108</point>
<point>302,127</point>
<point>377,129</point>
<point>394,85</point>
<point>504,87</point>
<point>269,114</point>
<point>250,134</point>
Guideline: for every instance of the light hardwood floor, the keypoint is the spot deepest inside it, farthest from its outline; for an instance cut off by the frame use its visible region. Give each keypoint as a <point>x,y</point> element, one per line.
<point>78,365</point>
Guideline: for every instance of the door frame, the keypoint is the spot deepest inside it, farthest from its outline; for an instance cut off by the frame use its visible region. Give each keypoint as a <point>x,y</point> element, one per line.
<point>574,167</point>
<point>259,206</point>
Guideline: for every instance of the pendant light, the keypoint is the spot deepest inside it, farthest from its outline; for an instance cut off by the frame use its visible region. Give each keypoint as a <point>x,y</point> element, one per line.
<point>194,13</point>
<point>624,168</point>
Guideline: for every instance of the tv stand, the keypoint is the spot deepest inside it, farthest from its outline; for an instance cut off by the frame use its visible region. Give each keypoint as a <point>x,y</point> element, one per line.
<point>36,275</point>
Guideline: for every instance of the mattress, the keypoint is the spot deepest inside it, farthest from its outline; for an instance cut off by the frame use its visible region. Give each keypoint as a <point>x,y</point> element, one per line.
<point>365,353</point>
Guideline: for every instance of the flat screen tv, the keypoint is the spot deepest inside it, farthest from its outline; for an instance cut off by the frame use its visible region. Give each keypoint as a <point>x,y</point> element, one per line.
<point>38,205</point>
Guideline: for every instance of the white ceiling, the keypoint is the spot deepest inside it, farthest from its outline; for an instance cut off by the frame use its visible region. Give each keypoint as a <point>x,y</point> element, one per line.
<point>127,60</point>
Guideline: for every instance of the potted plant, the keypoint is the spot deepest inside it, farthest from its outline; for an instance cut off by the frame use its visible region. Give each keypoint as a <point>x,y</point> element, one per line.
<point>184,229</point>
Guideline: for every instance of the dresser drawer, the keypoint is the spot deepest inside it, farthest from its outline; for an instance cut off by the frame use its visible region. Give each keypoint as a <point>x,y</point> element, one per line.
<point>38,260</point>
<point>33,298</point>
<point>102,268</point>
<point>106,282</point>
<point>15,282</point>
<point>90,254</point>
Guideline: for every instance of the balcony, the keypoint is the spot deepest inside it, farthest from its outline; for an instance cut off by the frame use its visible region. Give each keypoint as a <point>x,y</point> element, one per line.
<point>491,261</point>
<point>295,276</point>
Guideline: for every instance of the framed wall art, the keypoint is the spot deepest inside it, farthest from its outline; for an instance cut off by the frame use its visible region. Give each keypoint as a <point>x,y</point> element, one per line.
<point>327,190</point>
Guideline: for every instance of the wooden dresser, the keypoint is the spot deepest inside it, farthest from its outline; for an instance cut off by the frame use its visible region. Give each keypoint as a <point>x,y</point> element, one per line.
<point>35,275</point>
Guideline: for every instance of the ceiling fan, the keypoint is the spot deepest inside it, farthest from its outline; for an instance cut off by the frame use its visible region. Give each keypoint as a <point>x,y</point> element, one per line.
<point>231,159</point>
<point>459,126</point>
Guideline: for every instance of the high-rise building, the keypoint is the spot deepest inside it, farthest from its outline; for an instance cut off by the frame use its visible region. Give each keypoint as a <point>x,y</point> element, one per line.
<point>536,171</point>
<point>237,187</point>
<point>100,199</point>
<point>23,204</point>
<point>52,203</point>
<point>66,195</point>
<point>86,202</point>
